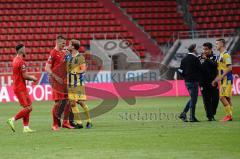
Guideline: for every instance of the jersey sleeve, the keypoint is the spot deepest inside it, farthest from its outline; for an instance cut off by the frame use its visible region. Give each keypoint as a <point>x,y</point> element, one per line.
<point>227,59</point>
<point>82,60</point>
<point>22,66</point>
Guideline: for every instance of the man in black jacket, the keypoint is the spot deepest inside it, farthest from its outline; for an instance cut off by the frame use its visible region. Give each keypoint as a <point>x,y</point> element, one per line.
<point>210,94</point>
<point>190,69</point>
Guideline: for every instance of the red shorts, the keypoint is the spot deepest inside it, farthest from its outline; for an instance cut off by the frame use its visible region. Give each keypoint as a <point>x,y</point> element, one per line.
<point>23,98</point>
<point>59,91</point>
<point>56,95</point>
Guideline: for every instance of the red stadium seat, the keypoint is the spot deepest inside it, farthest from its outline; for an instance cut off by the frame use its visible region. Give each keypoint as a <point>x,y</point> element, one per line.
<point>36,23</point>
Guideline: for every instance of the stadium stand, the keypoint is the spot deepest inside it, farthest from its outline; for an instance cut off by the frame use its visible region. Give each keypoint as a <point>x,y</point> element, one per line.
<point>36,23</point>
<point>215,16</point>
<point>236,58</point>
<point>160,19</point>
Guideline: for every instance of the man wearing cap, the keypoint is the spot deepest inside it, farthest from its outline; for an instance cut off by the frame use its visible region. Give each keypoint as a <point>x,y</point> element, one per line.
<point>190,70</point>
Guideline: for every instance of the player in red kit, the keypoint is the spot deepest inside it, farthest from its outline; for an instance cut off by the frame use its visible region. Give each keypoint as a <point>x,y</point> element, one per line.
<point>56,68</point>
<point>19,87</point>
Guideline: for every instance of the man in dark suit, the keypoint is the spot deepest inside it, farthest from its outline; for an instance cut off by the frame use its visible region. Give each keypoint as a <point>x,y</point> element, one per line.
<point>210,94</point>
<point>190,69</point>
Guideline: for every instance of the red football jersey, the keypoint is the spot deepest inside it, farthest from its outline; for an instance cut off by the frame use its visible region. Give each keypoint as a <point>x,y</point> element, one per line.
<point>19,68</point>
<point>57,60</point>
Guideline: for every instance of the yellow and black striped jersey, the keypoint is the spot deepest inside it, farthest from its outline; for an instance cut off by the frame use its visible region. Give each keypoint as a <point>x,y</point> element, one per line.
<point>74,76</point>
<point>224,61</point>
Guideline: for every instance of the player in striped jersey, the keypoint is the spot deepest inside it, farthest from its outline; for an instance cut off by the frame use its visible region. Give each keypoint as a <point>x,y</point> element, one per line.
<point>76,68</point>
<point>225,77</point>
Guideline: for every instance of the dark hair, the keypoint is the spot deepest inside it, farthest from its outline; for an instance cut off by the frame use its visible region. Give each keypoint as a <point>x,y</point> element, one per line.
<point>60,36</point>
<point>208,45</point>
<point>19,46</point>
<point>75,44</point>
<point>191,48</point>
<point>222,40</point>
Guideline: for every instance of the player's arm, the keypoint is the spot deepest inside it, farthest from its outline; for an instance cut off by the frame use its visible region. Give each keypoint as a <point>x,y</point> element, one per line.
<point>83,68</point>
<point>53,75</point>
<point>49,70</point>
<point>229,69</point>
<point>26,76</point>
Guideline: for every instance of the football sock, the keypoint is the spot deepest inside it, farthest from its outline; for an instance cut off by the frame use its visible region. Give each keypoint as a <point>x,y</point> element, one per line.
<point>231,109</point>
<point>66,111</point>
<point>228,110</point>
<point>86,111</point>
<point>77,117</point>
<point>25,127</point>
<point>26,119</point>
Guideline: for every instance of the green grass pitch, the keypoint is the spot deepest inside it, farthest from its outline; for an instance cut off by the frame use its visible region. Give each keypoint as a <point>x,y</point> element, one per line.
<point>147,130</point>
